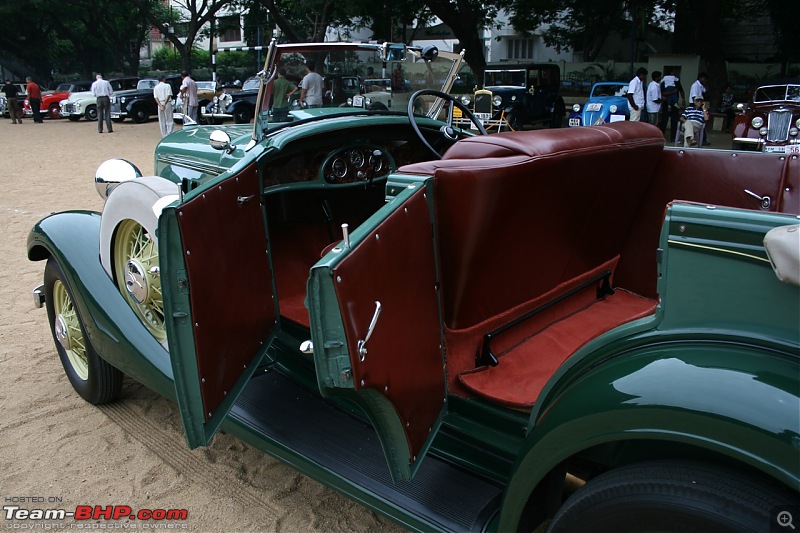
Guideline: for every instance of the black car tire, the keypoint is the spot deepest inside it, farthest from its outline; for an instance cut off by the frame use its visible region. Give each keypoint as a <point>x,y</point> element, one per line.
<point>91,113</point>
<point>118,119</point>
<point>242,115</point>
<point>74,118</point>
<point>671,495</point>
<point>102,382</point>
<point>139,114</point>
<point>516,121</point>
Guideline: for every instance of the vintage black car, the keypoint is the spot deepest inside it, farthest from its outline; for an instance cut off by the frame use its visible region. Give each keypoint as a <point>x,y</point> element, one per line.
<point>239,106</point>
<point>139,104</point>
<point>518,94</point>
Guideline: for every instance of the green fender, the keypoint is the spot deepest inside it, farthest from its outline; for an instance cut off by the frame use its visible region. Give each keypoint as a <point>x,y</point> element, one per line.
<point>720,397</point>
<point>73,239</point>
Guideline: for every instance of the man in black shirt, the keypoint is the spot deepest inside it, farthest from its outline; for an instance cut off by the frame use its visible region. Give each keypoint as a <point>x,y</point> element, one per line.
<point>11,92</point>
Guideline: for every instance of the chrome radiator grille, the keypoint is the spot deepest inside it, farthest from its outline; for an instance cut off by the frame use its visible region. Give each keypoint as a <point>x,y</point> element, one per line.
<point>483,103</point>
<point>778,127</point>
<point>69,108</point>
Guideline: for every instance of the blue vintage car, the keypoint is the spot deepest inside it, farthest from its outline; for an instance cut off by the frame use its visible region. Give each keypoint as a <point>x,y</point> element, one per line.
<point>461,332</point>
<point>607,103</point>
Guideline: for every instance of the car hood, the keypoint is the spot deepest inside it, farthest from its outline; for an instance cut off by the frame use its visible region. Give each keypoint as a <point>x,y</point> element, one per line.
<point>82,95</point>
<point>187,153</point>
<point>597,110</point>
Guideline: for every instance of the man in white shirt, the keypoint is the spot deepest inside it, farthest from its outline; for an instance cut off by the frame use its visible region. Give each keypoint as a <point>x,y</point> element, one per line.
<point>653,98</point>
<point>698,90</point>
<point>311,87</point>
<point>636,94</point>
<point>163,95</point>
<point>103,91</point>
<point>189,95</point>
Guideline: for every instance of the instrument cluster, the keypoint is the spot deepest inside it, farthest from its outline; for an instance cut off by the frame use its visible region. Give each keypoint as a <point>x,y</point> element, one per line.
<point>357,163</point>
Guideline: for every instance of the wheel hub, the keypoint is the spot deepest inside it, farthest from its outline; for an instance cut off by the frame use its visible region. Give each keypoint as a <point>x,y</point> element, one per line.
<point>136,281</point>
<point>62,333</point>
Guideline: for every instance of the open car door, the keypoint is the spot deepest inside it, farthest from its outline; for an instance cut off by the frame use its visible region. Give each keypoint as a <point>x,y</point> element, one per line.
<point>218,298</point>
<point>375,325</point>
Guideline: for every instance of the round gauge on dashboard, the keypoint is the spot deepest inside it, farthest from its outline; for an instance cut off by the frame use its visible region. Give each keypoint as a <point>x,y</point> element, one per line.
<point>339,168</point>
<point>356,158</point>
<point>376,163</point>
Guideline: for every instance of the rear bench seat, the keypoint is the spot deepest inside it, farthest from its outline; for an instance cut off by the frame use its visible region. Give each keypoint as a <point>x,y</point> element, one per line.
<point>523,219</point>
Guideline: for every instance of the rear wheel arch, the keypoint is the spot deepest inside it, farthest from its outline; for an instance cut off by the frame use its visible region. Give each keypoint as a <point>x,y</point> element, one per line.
<point>619,427</point>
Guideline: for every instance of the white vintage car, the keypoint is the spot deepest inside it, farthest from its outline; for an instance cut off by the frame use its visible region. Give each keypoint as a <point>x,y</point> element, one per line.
<point>84,103</point>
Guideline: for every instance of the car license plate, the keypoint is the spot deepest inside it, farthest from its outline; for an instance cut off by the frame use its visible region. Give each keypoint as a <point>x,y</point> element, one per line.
<point>793,149</point>
<point>483,116</point>
<point>594,106</point>
<point>116,115</point>
<point>574,122</point>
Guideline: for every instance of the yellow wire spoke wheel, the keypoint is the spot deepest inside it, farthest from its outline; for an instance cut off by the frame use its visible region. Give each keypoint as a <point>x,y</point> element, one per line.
<point>68,330</point>
<point>137,274</point>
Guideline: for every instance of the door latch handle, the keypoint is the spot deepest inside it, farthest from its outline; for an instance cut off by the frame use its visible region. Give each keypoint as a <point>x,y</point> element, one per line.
<point>765,200</point>
<point>362,344</point>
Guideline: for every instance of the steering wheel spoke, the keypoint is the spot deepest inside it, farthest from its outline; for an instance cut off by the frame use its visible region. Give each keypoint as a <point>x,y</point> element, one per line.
<point>449,131</point>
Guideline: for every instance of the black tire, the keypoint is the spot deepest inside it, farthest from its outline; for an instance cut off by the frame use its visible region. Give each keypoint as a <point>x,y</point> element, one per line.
<point>118,120</point>
<point>515,121</point>
<point>139,115</point>
<point>242,115</point>
<point>93,379</point>
<point>91,113</point>
<point>671,496</point>
<point>74,118</point>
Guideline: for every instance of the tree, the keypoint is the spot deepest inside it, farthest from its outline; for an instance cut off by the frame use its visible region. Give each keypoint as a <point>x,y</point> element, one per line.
<point>192,15</point>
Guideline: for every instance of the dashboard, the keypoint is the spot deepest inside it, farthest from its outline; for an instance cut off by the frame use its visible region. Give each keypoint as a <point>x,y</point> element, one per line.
<point>357,163</point>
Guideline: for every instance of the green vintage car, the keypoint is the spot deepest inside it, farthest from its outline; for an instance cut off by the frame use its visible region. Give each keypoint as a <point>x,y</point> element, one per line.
<point>575,327</point>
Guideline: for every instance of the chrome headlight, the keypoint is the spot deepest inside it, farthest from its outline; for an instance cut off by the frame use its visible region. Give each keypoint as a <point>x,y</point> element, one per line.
<point>215,99</point>
<point>576,107</point>
<point>113,99</point>
<point>763,131</point>
<point>350,101</point>
<point>111,173</point>
<point>367,101</point>
<point>613,108</point>
<point>77,107</point>
<point>740,107</point>
<point>122,100</point>
<point>465,99</point>
<point>757,122</point>
<point>793,132</point>
<point>497,100</point>
<point>797,122</point>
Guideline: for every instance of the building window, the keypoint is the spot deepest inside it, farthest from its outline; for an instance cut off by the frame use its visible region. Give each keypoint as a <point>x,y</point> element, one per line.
<point>229,29</point>
<point>520,48</point>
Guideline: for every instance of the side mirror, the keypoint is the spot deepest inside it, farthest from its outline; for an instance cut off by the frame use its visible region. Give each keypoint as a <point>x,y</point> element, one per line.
<point>220,140</point>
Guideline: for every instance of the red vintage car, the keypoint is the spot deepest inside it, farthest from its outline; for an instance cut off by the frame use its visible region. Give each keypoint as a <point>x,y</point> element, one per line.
<point>770,121</point>
<point>51,99</point>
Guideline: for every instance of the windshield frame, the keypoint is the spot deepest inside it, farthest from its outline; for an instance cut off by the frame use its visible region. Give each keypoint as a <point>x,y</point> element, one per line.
<point>275,51</point>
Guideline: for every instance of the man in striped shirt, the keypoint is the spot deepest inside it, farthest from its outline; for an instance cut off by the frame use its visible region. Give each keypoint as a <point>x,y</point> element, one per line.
<point>693,118</point>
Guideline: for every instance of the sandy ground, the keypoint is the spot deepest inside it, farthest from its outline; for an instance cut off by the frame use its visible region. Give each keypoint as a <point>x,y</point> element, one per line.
<point>57,451</point>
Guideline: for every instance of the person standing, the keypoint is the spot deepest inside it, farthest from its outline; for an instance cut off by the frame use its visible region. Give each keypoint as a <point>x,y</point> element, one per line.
<point>34,99</point>
<point>672,96</point>
<point>11,91</point>
<point>163,95</point>
<point>653,98</point>
<point>726,107</point>
<point>698,88</point>
<point>282,89</point>
<point>189,95</point>
<point>103,91</point>
<point>693,118</point>
<point>311,87</point>
<point>636,94</point>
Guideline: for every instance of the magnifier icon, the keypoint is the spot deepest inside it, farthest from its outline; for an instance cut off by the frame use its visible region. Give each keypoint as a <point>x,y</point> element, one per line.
<point>785,519</point>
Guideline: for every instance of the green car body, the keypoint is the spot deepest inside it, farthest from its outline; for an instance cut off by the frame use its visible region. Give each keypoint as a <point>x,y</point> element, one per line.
<point>703,371</point>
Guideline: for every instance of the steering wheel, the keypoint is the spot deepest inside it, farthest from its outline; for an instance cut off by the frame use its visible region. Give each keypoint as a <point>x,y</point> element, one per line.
<point>447,131</point>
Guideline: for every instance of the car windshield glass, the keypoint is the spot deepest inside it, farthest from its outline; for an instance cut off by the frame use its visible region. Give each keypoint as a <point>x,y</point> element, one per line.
<point>208,85</point>
<point>611,89</point>
<point>146,84</point>
<point>391,82</point>
<point>504,77</point>
<point>251,84</point>
<point>63,87</point>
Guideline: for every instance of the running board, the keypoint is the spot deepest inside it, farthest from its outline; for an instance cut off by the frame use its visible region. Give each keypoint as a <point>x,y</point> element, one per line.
<point>286,420</point>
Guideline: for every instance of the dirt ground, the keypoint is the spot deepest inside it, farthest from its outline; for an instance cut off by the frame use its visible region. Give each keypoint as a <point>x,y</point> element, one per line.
<point>59,452</point>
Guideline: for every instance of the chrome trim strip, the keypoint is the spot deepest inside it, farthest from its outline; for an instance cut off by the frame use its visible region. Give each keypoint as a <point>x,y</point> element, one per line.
<point>205,168</point>
<point>717,249</point>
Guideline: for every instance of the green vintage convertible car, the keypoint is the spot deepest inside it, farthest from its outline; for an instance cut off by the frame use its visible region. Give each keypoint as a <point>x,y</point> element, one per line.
<point>577,327</point>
